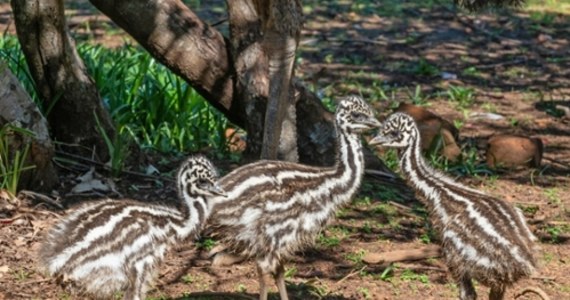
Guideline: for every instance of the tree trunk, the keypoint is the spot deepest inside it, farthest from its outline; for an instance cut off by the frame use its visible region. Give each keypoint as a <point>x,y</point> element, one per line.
<point>281,23</point>
<point>18,109</point>
<point>70,97</point>
<point>250,64</point>
<point>199,54</point>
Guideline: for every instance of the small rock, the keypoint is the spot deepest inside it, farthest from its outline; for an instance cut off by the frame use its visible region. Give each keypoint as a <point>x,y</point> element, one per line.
<point>485,116</point>
<point>511,151</point>
<point>448,76</point>
<point>544,38</point>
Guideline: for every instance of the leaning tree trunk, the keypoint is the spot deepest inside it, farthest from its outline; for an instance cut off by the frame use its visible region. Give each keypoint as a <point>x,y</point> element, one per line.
<point>263,55</point>
<point>60,76</point>
<point>281,24</point>
<point>18,109</point>
<point>223,72</point>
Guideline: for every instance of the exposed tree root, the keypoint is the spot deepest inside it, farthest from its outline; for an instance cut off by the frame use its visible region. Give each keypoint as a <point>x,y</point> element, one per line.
<point>403,255</point>
<point>535,290</point>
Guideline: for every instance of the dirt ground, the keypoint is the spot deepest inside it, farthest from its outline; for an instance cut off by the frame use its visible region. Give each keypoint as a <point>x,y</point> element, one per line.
<point>516,62</point>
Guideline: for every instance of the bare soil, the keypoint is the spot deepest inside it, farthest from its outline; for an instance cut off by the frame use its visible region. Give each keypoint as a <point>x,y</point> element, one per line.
<point>517,64</point>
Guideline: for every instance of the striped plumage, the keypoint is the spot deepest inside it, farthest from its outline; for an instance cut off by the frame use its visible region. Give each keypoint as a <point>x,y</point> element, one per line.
<point>275,208</point>
<point>483,238</point>
<point>113,246</point>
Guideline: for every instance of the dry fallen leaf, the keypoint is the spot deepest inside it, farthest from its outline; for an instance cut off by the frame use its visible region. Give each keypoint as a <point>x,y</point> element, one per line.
<point>20,242</point>
<point>3,270</point>
<point>91,185</point>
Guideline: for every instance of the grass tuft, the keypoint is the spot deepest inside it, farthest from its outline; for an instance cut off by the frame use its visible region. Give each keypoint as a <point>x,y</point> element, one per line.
<point>155,107</point>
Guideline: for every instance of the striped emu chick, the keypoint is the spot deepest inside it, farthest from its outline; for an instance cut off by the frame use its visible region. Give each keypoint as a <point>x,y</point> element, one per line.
<point>114,246</point>
<point>275,208</point>
<point>483,238</point>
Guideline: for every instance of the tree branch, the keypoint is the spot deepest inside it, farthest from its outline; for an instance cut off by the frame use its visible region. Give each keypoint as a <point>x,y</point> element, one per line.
<point>177,38</point>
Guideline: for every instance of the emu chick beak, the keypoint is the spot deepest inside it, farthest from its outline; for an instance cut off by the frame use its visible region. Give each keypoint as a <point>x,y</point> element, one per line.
<point>217,190</point>
<point>373,122</point>
<point>378,140</point>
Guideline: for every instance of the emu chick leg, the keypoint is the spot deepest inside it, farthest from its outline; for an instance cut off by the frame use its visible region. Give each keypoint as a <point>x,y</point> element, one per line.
<point>497,293</point>
<point>280,282</point>
<point>466,289</point>
<point>262,283</point>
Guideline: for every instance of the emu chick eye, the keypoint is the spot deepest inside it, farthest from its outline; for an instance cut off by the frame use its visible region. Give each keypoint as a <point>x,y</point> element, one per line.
<point>357,115</point>
<point>394,134</point>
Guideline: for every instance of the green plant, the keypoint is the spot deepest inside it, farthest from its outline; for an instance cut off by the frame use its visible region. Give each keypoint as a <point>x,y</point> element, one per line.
<point>467,165</point>
<point>206,243</point>
<point>463,97</point>
<point>424,68</point>
<point>118,147</point>
<point>554,232</point>
<point>490,107</point>
<point>241,288</point>
<point>290,273</point>
<point>529,209</point>
<point>385,210</point>
<point>330,241</point>
<point>356,257</point>
<point>147,101</point>
<point>410,275</point>
<point>425,238</point>
<point>542,18</point>
<point>366,228</point>
<point>390,158</point>
<point>458,124</point>
<point>548,257</point>
<point>417,96</point>
<point>21,274</point>
<point>188,278</point>
<point>365,292</point>
<point>552,196</point>
<point>387,274</point>
<point>362,201</point>
<point>12,162</point>
<point>471,71</point>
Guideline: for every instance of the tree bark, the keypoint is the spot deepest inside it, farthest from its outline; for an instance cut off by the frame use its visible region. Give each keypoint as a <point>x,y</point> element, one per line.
<point>223,72</point>
<point>281,23</point>
<point>18,109</point>
<point>70,97</point>
<point>250,64</point>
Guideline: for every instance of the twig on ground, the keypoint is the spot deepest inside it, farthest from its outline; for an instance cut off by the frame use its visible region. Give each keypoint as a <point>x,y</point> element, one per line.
<point>41,197</point>
<point>417,268</point>
<point>403,255</point>
<point>354,272</point>
<point>552,160</point>
<point>537,220</point>
<point>565,109</point>
<point>543,278</point>
<point>41,212</point>
<point>400,206</point>
<point>34,281</point>
<point>558,223</point>
<point>360,41</point>
<point>104,167</point>
<point>501,64</point>
<point>529,203</point>
<point>535,290</point>
<point>11,220</point>
<point>403,210</point>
